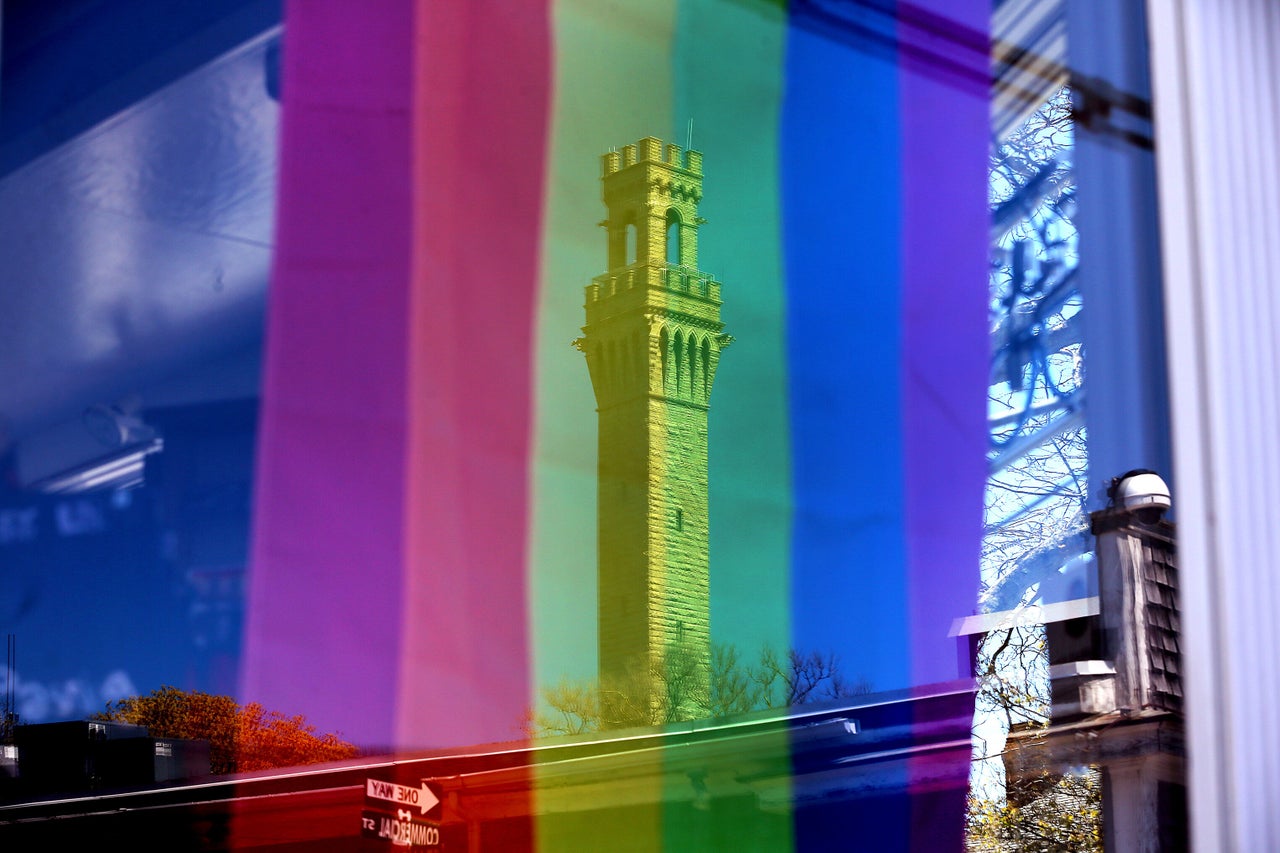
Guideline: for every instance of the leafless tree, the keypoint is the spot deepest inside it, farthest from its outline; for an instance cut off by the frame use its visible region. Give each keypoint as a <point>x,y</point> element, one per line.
<point>1037,489</point>
<point>1035,499</point>
<point>684,686</point>
<point>803,677</point>
<point>1040,808</point>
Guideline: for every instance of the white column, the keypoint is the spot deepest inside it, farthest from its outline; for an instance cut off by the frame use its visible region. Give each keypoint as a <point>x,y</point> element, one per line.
<point>1216,81</point>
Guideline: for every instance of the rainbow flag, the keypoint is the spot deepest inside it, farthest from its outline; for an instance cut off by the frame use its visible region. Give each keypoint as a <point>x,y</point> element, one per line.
<point>424,554</point>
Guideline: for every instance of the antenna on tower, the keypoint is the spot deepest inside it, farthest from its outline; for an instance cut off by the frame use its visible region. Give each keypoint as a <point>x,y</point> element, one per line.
<point>688,137</point>
<point>9,719</point>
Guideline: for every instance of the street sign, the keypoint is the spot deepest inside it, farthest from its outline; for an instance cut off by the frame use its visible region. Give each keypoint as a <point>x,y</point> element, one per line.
<point>422,798</point>
<point>401,814</point>
<point>399,828</point>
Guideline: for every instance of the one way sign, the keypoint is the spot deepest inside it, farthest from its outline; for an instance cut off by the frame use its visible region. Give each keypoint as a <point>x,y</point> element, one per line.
<point>422,798</point>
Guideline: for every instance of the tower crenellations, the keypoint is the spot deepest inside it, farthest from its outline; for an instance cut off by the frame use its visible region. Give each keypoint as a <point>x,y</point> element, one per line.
<point>651,149</point>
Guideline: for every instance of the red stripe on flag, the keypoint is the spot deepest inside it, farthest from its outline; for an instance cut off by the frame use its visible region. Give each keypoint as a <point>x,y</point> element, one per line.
<point>481,102</point>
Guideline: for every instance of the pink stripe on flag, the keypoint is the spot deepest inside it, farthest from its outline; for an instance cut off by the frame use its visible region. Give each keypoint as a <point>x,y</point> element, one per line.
<point>480,125</point>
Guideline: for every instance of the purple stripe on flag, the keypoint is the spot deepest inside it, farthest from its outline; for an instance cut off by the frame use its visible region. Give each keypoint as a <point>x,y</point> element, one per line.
<point>327,557</point>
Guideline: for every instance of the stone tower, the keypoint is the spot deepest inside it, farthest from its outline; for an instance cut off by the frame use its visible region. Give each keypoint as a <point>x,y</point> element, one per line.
<point>652,341</point>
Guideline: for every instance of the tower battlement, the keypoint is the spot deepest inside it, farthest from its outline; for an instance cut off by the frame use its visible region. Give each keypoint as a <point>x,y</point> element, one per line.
<point>651,150</point>
<point>667,277</point>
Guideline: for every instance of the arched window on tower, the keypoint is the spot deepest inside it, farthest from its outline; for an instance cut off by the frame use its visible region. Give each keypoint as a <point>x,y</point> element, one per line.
<point>679,360</point>
<point>673,236</point>
<point>693,368</point>
<point>631,243</point>
<point>662,354</point>
<point>706,374</point>
<point>641,364</point>
<point>628,356</point>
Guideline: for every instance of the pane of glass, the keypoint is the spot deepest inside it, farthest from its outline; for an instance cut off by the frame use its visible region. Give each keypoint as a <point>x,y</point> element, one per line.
<point>649,405</point>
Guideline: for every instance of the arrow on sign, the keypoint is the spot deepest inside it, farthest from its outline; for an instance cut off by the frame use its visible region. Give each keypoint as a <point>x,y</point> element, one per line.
<point>402,795</point>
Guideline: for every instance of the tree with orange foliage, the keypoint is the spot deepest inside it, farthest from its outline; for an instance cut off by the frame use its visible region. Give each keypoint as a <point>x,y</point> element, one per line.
<point>240,737</point>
